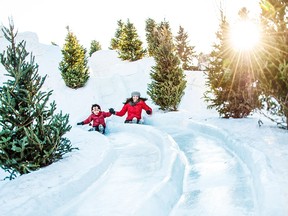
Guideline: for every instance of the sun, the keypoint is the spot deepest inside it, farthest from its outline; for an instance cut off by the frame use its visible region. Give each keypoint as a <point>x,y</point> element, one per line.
<point>244,35</point>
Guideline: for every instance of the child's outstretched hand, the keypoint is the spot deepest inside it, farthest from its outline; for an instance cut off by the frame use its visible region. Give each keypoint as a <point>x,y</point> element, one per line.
<point>112,111</point>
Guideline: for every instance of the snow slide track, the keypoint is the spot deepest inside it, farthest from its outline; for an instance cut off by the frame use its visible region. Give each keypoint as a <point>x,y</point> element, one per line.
<point>250,161</point>
<point>147,174</point>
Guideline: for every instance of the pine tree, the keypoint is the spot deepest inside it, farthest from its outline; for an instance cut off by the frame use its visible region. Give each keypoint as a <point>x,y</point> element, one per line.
<point>114,45</point>
<point>31,134</point>
<point>73,67</point>
<point>152,30</point>
<point>274,77</point>
<point>151,40</point>
<point>94,47</point>
<point>230,78</point>
<point>129,44</point>
<point>216,71</point>
<point>185,51</point>
<point>168,80</point>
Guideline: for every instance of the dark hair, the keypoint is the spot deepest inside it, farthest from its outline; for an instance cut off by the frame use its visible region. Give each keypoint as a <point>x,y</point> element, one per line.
<point>131,100</point>
<point>95,105</point>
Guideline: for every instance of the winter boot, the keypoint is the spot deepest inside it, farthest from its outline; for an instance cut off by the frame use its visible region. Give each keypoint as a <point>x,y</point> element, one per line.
<point>134,120</point>
<point>101,128</point>
<point>92,129</point>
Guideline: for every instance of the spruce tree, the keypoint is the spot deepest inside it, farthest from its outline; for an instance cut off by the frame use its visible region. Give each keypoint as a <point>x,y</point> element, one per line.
<point>94,47</point>
<point>231,84</point>
<point>152,31</point>
<point>114,44</point>
<point>150,28</point>
<point>274,77</point>
<point>73,67</point>
<point>185,52</point>
<point>215,72</point>
<point>31,135</point>
<point>129,44</point>
<point>168,80</point>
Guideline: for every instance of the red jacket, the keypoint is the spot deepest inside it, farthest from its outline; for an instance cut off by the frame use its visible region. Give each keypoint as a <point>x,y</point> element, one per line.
<point>97,119</point>
<point>134,111</point>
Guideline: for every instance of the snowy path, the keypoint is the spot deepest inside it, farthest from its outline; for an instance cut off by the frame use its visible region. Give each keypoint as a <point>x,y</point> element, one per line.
<point>216,182</point>
<point>139,171</point>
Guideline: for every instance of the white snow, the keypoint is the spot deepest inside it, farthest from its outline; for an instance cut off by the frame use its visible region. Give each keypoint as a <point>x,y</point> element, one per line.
<point>189,162</point>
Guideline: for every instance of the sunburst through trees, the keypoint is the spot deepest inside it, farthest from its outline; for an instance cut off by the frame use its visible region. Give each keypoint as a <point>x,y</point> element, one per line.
<point>248,67</point>
<point>231,74</point>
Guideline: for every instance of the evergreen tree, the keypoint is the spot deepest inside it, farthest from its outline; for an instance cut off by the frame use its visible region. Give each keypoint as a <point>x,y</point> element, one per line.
<point>185,52</point>
<point>168,80</point>
<point>230,78</point>
<point>215,71</point>
<point>151,40</point>
<point>129,44</point>
<point>73,67</point>
<point>94,47</point>
<point>31,135</point>
<point>274,77</point>
<point>152,32</point>
<point>114,45</point>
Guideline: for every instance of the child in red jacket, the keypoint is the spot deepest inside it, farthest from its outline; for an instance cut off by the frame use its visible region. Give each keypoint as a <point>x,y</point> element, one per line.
<point>133,107</point>
<point>98,118</point>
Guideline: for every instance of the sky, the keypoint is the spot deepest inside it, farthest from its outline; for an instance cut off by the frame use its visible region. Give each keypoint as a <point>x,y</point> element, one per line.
<point>97,20</point>
<point>189,162</point>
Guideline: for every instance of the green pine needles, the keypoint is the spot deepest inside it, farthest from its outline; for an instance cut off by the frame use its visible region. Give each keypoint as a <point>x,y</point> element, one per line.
<point>232,88</point>
<point>127,43</point>
<point>273,78</point>
<point>94,47</point>
<point>168,80</point>
<point>185,52</point>
<point>31,136</point>
<point>73,67</point>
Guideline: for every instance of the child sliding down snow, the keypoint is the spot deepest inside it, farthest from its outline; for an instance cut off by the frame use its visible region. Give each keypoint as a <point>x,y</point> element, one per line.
<point>98,118</point>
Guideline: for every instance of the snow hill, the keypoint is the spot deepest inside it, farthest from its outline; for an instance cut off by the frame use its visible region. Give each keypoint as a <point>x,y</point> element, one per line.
<point>189,162</point>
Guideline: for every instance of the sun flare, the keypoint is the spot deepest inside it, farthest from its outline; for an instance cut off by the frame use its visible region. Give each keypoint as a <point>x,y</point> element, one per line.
<point>245,35</point>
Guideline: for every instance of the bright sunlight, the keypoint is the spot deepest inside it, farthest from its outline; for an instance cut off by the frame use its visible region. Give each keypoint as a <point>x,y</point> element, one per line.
<point>245,35</point>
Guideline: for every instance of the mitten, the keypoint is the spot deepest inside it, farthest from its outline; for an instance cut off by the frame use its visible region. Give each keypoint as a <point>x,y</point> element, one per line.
<point>112,111</point>
<point>148,112</point>
<point>80,123</point>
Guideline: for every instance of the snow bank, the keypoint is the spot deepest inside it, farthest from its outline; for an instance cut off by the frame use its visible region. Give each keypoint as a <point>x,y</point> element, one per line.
<point>44,191</point>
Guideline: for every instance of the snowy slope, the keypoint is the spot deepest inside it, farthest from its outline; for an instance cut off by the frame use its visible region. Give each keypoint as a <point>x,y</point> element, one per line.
<point>180,163</point>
